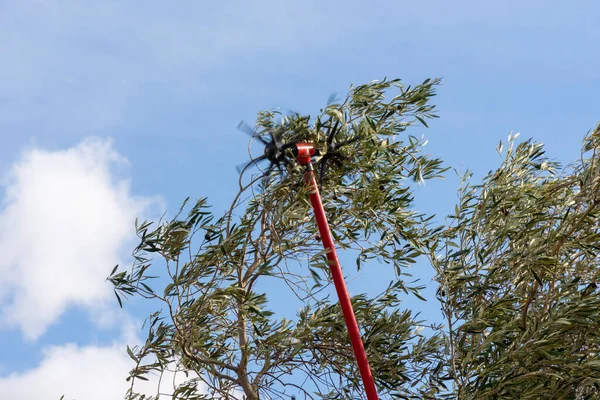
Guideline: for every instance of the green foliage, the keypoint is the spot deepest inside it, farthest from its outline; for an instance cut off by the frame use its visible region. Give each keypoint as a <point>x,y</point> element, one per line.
<point>517,268</point>
<point>518,273</point>
<point>216,324</point>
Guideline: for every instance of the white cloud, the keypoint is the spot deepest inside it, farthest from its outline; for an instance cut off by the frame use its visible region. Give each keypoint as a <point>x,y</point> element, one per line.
<point>88,372</point>
<point>85,373</point>
<point>64,222</point>
<point>66,218</point>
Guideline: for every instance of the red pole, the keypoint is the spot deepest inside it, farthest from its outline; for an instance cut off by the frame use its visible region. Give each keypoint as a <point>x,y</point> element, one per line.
<point>340,285</point>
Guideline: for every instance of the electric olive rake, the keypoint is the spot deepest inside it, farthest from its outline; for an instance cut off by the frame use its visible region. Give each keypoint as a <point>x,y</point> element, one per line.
<point>278,153</point>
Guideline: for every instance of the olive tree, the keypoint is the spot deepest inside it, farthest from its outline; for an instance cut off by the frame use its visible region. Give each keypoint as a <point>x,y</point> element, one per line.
<point>209,276</point>
<point>518,271</point>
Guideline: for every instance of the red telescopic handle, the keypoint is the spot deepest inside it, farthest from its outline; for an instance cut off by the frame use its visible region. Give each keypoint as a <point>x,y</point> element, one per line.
<point>340,284</point>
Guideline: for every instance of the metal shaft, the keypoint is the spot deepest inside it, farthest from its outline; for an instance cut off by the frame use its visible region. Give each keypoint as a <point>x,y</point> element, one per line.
<point>340,284</point>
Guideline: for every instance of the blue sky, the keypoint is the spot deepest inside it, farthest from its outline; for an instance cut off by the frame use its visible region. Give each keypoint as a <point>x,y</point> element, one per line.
<point>115,109</point>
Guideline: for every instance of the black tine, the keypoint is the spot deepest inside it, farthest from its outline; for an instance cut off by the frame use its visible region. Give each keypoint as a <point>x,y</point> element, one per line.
<point>276,136</point>
<point>345,142</point>
<point>268,171</point>
<point>288,146</point>
<point>240,167</point>
<point>262,140</point>
<point>254,161</point>
<point>331,98</point>
<point>331,133</point>
<point>244,127</point>
<point>338,163</point>
<point>258,159</point>
<point>292,113</point>
<point>322,172</point>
